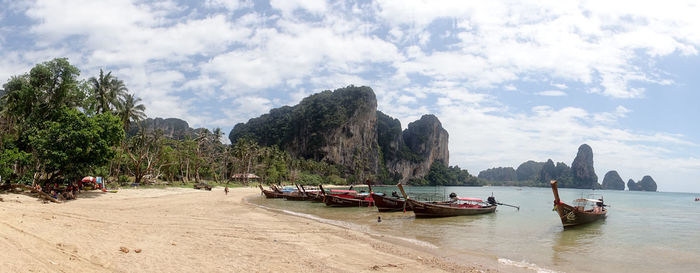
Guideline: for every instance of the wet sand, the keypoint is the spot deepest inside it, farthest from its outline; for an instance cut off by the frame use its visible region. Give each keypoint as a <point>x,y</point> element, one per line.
<point>186,230</point>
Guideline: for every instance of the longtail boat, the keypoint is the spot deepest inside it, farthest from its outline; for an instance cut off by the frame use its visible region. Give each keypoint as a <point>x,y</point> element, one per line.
<point>313,195</point>
<point>346,198</point>
<point>298,195</point>
<point>578,214</point>
<point>387,204</point>
<point>271,193</point>
<point>457,207</point>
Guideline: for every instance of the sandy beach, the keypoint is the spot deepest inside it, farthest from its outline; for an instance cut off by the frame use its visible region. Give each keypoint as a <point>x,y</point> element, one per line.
<point>185,230</point>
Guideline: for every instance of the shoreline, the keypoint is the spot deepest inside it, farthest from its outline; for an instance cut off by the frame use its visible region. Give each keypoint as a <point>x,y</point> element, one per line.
<point>184,230</point>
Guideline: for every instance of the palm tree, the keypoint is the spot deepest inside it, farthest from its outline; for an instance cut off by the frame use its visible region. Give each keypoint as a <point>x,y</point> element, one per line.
<point>128,109</point>
<point>107,90</point>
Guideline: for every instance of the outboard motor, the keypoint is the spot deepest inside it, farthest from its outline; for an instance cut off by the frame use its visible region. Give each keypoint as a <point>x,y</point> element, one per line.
<point>491,200</point>
<point>453,195</point>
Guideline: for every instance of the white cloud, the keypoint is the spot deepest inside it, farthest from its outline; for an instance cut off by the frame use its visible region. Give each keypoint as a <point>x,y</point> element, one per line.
<point>510,87</point>
<point>230,5</point>
<point>552,93</point>
<point>559,85</point>
<point>288,7</point>
<point>587,42</point>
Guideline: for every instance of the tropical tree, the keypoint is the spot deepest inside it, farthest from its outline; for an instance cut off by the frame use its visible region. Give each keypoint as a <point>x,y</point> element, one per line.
<point>143,150</point>
<point>246,151</point>
<point>106,90</point>
<point>129,109</point>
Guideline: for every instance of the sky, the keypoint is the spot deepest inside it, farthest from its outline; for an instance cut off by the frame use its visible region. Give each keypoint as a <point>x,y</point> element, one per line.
<point>510,81</point>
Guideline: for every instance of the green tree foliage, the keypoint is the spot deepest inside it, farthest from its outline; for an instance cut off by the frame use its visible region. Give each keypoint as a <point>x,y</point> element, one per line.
<point>106,91</point>
<point>37,96</point>
<point>311,118</point>
<point>561,172</point>
<point>529,170</point>
<point>73,144</point>
<point>441,175</point>
<point>130,110</point>
<point>499,174</point>
<point>13,161</point>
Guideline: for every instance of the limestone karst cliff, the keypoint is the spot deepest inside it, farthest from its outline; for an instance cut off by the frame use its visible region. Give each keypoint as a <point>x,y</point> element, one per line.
<point>582,170</point>
<point>646,184</point>
<point>613,181</point>
<point>343,127</point>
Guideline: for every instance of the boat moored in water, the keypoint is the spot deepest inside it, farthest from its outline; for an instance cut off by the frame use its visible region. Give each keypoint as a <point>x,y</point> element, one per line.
<point>458,206</point>
<point>579,213</point>
<point>346,198</point>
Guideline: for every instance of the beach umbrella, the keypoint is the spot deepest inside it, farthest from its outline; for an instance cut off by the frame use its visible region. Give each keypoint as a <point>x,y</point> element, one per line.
<point>88,179</point>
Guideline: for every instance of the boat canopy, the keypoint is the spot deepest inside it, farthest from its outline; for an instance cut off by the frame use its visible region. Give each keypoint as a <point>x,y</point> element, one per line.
<point>587,200</point>
<point>346,191</point>
<point>470,199</point>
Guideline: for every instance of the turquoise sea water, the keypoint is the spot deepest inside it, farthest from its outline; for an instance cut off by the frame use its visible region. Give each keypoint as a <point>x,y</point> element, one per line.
<point>644,231</point>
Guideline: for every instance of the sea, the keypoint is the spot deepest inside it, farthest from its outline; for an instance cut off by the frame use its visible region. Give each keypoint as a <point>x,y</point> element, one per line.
<point>643,232</point>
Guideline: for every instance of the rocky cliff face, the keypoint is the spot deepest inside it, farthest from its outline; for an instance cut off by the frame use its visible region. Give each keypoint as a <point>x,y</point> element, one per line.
<point>499,174</point>
<point>354,142</point>
<point>529,170</point>
<point>582,170</point>
<point>561,172</point>
<point>646,184</point>
<point>343,127</point>
<point>613,181</point>
<point>424,142</point>
<point>172,128</point>
<point>632,186</point>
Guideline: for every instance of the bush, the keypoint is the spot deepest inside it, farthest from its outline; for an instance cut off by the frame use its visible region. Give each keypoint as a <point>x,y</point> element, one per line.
<point>123,179</point>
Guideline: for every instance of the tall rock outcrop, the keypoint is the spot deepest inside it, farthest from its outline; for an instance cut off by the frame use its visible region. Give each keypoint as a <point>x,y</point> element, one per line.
<point>646,184</point>
<point>613,181</point>
<point>343,127</point>
<point>632,186</point>
<point>172,128</point>
<point>560,172</point>
<point>422,143</point>
<point>499,174</point>
<point>529,170</point>
<point>582,170</point>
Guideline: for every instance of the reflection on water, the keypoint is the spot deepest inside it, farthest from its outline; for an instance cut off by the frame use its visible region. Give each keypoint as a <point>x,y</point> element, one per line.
<point>576,241</point>
<point>644,232</point>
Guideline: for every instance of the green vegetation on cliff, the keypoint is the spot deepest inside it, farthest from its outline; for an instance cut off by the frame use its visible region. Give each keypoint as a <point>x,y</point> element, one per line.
<point>311,119</point>
<point>441,175</point>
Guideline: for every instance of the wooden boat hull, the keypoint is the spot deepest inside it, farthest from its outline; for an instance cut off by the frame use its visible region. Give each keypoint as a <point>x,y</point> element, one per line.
<point>271,194</point>
<point>432,210</point>
<point>389,204</point>
<point>571,216</point>
<point>316,198</point>
<point>337,201</point>
<point>296,197</point>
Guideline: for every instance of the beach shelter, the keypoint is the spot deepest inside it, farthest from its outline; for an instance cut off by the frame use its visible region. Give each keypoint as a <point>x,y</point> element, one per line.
<point>245,176</point>
<point>88,179</point>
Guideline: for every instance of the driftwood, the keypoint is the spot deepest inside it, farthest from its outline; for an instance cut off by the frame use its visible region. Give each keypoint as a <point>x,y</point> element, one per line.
<point>21,188</point>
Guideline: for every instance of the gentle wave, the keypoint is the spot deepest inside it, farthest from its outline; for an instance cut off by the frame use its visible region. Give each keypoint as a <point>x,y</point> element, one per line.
<point>526,265</point>
<point>348,225</point>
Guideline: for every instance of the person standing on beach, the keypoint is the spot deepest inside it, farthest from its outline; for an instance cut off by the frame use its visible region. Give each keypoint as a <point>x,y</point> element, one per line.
<point>226,190</point>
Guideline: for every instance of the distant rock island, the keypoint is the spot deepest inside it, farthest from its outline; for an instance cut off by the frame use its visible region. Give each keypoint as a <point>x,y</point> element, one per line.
<point>580,175</point>
<point>344,128</point>
<point>613,181</point>
<point>646,184</point>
